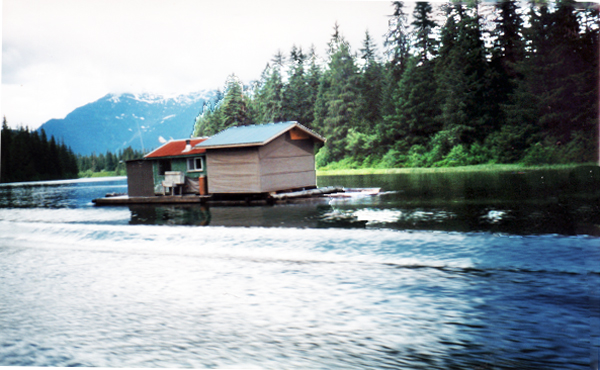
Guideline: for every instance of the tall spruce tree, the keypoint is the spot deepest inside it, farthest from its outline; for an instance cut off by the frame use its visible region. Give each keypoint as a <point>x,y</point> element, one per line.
<point>234,108</point>
<point>269,101</point>
<point>461,76</point>
<point>508,50</point>
<point>313,80</point>
<point>397,50</point>
<point>370,86</point>
<point>296,94</point>
<point>397,40</point>
<point>423,24</point>
<point>5,154</point>
<point>415,107</point>
<point>335,109</point>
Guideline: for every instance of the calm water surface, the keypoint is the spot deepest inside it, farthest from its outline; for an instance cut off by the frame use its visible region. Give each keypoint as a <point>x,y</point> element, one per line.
<point>440,271</point>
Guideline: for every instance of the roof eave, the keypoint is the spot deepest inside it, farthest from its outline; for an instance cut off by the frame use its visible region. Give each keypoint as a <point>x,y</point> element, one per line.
<point>295,124</point>
<point>224,146</point>
<point>176,156</point>
<point>308,131</point>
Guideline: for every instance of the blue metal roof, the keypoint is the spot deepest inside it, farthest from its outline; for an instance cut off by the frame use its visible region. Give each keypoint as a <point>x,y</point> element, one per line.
<point>250,135</point>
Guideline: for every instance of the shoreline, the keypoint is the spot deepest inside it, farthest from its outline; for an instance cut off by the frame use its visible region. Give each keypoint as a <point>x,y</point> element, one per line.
<point>410,170</point>
<point>473,168</point>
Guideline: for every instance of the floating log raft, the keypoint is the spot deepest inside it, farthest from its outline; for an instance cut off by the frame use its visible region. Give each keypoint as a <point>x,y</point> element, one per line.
<point>307,193</point>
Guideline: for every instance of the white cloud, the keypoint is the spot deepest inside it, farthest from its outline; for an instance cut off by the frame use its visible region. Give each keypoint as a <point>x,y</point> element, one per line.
<point>61,54</point>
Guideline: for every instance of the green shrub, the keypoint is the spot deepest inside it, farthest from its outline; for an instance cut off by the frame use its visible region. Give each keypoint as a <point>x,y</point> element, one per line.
<point>417,156</point>
<point>510,143</point>
<point>458,156</point>
<point>480,154</point>
<point>441,145</point>
<point>541,153</point>
<point>581,149</point>
<point>391,159</point>
<point>322,157</point>
<point>371,161</point>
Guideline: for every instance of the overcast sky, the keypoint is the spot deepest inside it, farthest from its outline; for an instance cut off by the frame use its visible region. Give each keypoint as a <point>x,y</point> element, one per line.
<point>58,55</point>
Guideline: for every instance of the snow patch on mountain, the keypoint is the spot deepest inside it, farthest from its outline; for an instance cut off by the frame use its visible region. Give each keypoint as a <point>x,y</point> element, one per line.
<point>114,121</point>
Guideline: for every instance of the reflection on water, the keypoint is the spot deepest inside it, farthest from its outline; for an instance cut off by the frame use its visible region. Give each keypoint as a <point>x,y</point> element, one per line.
<point>543,202</point>
<point>533,202</point>
<point>169,215</point>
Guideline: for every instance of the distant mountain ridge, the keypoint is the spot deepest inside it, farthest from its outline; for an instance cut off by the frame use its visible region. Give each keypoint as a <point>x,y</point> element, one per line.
<point>114,122</point>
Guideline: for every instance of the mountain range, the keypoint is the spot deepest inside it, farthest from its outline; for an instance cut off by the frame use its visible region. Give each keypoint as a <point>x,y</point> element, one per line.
<point>114,122</point>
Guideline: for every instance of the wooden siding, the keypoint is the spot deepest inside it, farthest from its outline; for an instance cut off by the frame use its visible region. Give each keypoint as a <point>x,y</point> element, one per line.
<point>139,179</point>
<point>288,181</point>
<point>282,164</point>
<point>233,170</point>
<point>284,147</point>
<point>287,163</point>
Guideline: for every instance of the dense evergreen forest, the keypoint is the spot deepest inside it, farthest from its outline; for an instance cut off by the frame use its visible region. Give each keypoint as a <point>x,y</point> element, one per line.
<point>113,163</point>
<point>29,156</point>
<point>456,84</point>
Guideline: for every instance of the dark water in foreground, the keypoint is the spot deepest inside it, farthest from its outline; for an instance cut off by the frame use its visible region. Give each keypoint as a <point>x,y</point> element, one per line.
<point>439,272</point>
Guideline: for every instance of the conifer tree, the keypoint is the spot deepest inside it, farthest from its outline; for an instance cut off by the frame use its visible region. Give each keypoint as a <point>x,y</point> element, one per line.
<point>234,108</point>
<point>313,80</point>
<point>209,121</point>
<point>507,53</point>
<point>336,105</point>
<point>397,40</point>
<point>296,102</point>
<point>461,76</point>
<point>6,155</point>
<point>268,102</point>
<point>370,85</point>
<point>415,106</point>
<point>425,43</point>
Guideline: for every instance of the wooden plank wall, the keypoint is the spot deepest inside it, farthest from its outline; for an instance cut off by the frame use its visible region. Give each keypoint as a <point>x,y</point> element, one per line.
<point>140,180</point>
<point>234,170</point>
<point>287,164</point>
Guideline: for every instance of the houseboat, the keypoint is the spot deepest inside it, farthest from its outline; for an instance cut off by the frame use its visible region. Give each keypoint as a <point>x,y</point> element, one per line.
<point>257,162</point>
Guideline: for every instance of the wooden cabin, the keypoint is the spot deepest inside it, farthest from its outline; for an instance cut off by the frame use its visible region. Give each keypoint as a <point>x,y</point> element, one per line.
<point>239,160</point>
<point>175,167</point>
<point>261,158</point>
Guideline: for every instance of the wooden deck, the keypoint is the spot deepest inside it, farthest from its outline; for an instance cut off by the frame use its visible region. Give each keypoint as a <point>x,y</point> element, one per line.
<point>290,197</point>
<point>166,199</point>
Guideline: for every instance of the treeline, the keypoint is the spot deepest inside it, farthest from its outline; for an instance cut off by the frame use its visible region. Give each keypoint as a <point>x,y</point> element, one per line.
<point>109,162</point>
<point>30,156</point>
<point>460,84</point>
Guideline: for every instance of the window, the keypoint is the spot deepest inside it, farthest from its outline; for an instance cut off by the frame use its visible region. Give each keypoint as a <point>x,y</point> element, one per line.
<point>164,166</point>
<point>194,164</point>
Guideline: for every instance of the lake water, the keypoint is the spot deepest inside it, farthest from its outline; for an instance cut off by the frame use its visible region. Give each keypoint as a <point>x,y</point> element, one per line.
<point>440,271</point>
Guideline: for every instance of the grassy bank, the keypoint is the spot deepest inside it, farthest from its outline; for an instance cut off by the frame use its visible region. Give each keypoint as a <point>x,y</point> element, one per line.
<point>475,168</point>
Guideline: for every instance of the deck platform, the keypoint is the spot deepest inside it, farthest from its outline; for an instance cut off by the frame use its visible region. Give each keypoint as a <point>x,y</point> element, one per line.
<point>289,197</point>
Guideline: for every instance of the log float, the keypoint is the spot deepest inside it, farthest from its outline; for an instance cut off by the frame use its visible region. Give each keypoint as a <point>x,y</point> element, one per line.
<point>307,193</point>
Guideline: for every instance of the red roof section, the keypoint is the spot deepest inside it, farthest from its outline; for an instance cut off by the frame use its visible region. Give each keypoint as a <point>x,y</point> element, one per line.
<point>176,148</point>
